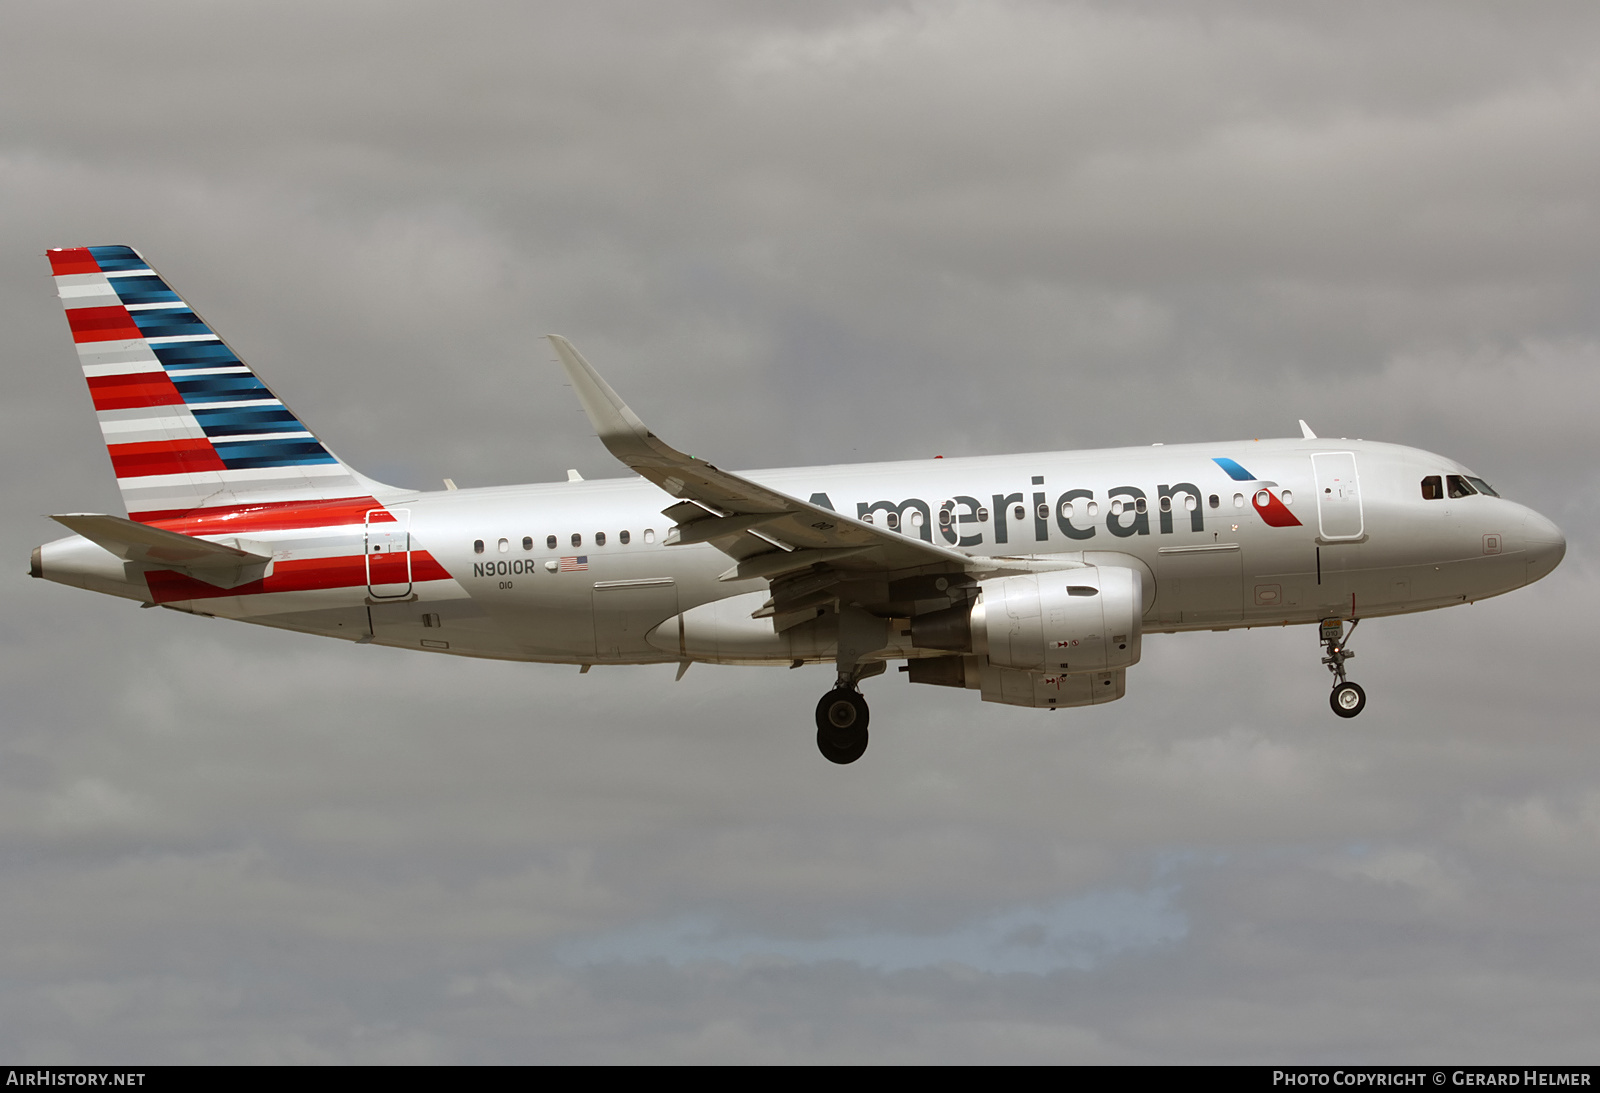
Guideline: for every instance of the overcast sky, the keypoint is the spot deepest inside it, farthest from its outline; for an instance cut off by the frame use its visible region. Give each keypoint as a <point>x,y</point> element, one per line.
<point>797,234</point>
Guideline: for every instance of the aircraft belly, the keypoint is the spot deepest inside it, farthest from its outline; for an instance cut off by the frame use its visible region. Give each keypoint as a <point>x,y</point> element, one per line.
<point>563,632</point>
<point>1468,579</point>
<point>349,623</point>
<point>439,617</point>
<point>627,610</point>
<point>1201,587</point>
<point>722,632</point>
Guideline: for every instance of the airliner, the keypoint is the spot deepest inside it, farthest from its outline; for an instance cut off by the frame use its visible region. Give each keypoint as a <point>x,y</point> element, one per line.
<point>1030,579</point>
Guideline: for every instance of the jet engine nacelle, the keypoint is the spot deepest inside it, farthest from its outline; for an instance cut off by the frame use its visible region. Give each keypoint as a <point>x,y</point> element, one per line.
<point>1068,621</point>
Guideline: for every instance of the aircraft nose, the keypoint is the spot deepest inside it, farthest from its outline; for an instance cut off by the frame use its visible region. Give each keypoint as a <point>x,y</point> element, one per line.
<point>1546,546</point>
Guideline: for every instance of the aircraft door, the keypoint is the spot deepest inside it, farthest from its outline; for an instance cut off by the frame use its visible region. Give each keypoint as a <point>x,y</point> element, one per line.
<point>1338,496</point>
<point>388,546</point>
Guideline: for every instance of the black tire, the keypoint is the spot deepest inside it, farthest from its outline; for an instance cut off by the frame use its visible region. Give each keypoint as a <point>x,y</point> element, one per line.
<point>842,718</point>
<point>1348,699</point>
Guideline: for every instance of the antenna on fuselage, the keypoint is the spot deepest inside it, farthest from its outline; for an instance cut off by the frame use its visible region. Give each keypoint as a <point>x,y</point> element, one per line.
<point>1305,430</point>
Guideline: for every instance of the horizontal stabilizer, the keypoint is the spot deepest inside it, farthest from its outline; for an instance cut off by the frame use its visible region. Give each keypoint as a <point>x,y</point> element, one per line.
<point>219,564</point>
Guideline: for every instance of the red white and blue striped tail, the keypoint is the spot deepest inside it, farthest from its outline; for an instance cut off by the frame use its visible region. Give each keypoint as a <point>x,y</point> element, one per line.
<point>189,426</point>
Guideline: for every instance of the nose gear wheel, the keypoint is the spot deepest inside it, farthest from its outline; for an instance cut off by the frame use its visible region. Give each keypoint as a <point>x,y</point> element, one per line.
<point>1348,699</point>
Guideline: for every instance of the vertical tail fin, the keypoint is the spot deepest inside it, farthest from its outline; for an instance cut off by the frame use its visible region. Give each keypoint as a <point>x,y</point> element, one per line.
<point>189,426</point>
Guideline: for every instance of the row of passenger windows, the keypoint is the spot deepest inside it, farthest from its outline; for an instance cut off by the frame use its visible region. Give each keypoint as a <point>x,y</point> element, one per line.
<point>1459,485</point>
<point>551,542</point>
<point>1091,509</point>
<point>947,516</point>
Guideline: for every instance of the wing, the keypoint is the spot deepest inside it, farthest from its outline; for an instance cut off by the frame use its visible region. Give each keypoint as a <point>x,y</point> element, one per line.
<point>804,549</point>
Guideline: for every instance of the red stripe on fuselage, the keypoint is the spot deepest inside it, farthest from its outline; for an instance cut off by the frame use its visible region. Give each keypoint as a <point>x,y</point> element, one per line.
<point>68,260</point>
<point>102,324</point>
<point>269,516</point>
<point>132,390</point>
<point>289,575</point>
<point>164,457</point>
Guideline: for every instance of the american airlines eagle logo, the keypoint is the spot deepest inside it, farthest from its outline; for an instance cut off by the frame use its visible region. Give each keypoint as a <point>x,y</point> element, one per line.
<point>1267,504</point>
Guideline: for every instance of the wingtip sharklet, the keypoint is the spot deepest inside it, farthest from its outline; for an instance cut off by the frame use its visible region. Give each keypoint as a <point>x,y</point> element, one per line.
<point>618,427</point>
<point>611,417</point>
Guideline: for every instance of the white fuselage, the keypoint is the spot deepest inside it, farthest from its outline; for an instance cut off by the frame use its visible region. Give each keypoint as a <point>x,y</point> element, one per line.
<point>473,572</point>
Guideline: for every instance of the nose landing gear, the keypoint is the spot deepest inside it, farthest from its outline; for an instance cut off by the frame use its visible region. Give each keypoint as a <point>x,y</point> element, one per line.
<point>1347,699</point>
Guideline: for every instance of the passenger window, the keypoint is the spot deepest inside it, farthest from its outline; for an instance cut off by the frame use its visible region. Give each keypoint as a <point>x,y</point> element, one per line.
<point>1238,500</point>
<point>1215,501</point>
<point>1044,511</point>
<point>527,542</point>
<point>1066,510</point>
<point>1459,487</point>
<point>1166,504</point>
<point>550,542</point>
<point>1433,488</point>
<point>1094,509</point>
<point>1190,502</point>
<point>477,546</point>
<point>983,515</point>
<point>1019,513</point>
<point>577,540</point>
<point>1139,506</point>
<point>505,545</point>
<point>649,535</point>
<point>599,538</point>
<point>623,537</point>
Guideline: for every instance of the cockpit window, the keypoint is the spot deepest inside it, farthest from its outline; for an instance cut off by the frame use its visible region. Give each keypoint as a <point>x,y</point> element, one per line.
<point>1433,488</point>
<point>1482,486</point>
<point>1459,486</point>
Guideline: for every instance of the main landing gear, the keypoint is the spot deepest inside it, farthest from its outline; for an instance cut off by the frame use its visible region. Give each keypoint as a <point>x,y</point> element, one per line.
<point>842,718</point>
<point>842,714</point>
<point>1347,699</point>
